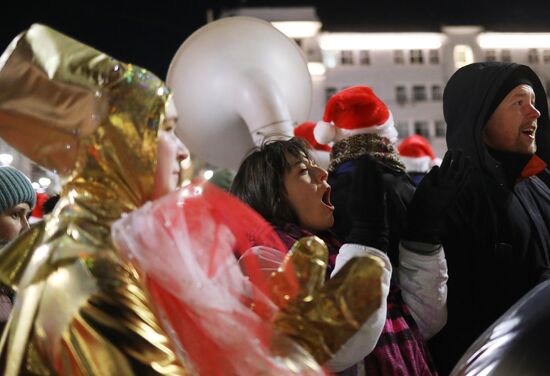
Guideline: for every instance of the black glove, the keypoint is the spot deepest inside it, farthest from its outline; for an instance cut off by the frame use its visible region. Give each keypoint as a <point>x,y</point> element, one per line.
<point>366,206</point>
<point>435,193</point>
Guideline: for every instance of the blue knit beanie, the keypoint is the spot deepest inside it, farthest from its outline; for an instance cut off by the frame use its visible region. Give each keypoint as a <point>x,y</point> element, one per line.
<point>15,188</point>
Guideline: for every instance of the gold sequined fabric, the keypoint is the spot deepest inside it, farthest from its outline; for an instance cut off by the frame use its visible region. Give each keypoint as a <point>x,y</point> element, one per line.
<point>80,309</point>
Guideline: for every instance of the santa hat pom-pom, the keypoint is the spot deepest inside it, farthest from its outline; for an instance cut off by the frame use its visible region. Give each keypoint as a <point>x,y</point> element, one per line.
<point>324,132</point>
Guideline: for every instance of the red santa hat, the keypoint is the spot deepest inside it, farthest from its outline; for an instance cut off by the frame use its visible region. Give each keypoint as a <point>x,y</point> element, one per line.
<point>37,214</point>
<point>320,152</point>
<point>305,132</point>
<point>352,111</point>
<point>417,154</point>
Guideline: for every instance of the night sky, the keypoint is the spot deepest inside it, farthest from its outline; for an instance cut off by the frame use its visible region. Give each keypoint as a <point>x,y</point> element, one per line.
<point>149,35</point>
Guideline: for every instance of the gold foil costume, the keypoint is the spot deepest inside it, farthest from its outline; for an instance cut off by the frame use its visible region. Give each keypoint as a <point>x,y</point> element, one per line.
<point>80,309</point>
<point>324,316</point>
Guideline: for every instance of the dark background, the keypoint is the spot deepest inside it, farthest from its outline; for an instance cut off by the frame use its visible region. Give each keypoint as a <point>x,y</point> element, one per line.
<point>148,33</point>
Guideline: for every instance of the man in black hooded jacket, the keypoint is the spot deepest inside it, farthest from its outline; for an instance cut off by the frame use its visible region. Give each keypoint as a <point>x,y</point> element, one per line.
<point>496,235</point>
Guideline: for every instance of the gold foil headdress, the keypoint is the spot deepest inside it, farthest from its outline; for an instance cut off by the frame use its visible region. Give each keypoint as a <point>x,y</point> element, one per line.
<point>81,113</point>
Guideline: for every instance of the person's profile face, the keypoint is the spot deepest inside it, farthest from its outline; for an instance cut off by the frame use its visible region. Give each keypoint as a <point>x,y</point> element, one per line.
<point>513,125</point>
<point>14,221</point>
<point>170,152</point>
<point>308,194</point>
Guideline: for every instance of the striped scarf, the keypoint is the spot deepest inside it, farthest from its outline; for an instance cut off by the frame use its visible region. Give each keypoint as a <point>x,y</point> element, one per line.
<point>400,350</point>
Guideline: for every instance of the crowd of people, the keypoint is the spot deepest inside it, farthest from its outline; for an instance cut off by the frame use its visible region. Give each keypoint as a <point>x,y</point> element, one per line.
<point>388,262</point>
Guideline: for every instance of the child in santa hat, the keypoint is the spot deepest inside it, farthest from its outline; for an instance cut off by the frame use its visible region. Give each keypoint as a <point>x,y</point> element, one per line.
<point>361,125</point>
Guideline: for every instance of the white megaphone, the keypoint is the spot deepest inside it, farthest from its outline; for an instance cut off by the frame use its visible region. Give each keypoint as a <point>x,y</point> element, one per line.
<point>236,82</point>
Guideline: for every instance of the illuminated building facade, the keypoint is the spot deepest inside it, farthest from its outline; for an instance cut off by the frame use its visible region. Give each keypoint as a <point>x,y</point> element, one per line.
<point>407,70</point>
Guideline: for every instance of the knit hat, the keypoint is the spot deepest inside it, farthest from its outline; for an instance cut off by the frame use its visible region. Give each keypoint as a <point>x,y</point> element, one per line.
<point>417,154</point>
<point>516,78</point>
<point>305,132</point>
<point>15,188</point>
<point>352,111</point>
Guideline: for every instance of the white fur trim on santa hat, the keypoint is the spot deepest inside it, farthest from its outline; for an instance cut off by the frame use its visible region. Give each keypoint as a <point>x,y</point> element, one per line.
<point>386,130</point>
<point>33,220</point>
<point>418,164</point>
<point>324,132</point>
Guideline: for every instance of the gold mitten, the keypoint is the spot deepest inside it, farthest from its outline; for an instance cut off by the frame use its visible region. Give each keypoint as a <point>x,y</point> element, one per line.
<point>321,317</point>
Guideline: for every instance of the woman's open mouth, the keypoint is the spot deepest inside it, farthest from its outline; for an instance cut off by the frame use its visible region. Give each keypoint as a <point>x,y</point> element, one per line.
<point>326,199</point>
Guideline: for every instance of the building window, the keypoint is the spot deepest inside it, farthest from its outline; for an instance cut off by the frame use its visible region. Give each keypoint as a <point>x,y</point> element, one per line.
<point>399,57</point>
<point>346,57</point>
<point>440,128</point>
<point>416,57</point>
<point>434,56</point>
<point>437,93</point>
<point>401,94</point>
<point>546,56</point>
<point>419,93</point>
<point>490,55</point>
<point>364,57</point>
<point>463,55</point>
<point>402,129</point>
<point>533,56</point>
<point>329,92</point>
<point>506,56</point>
<point>331,58</point>
<point>422,128</point>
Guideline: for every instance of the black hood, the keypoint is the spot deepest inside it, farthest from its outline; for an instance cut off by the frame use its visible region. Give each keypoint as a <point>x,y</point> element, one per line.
<point>467,100</point>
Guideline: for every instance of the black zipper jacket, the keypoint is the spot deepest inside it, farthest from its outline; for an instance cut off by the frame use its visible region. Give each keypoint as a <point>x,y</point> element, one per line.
<point>497,239</point>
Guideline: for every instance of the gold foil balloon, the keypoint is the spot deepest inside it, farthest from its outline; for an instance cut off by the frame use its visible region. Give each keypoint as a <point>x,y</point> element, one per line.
<point>80,309</point>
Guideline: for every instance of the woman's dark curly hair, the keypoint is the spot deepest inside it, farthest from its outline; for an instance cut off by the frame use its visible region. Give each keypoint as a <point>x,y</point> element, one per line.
<point>259,180</point>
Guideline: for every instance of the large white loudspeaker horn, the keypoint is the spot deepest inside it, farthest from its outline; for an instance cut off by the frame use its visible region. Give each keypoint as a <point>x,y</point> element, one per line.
<point>236,81</point>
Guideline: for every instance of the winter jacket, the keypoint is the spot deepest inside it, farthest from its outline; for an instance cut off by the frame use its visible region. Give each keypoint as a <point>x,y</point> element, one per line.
<point>496,234</point>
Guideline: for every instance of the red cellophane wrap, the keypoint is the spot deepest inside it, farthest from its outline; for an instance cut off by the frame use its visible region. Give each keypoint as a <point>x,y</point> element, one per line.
<point>186,245</point>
